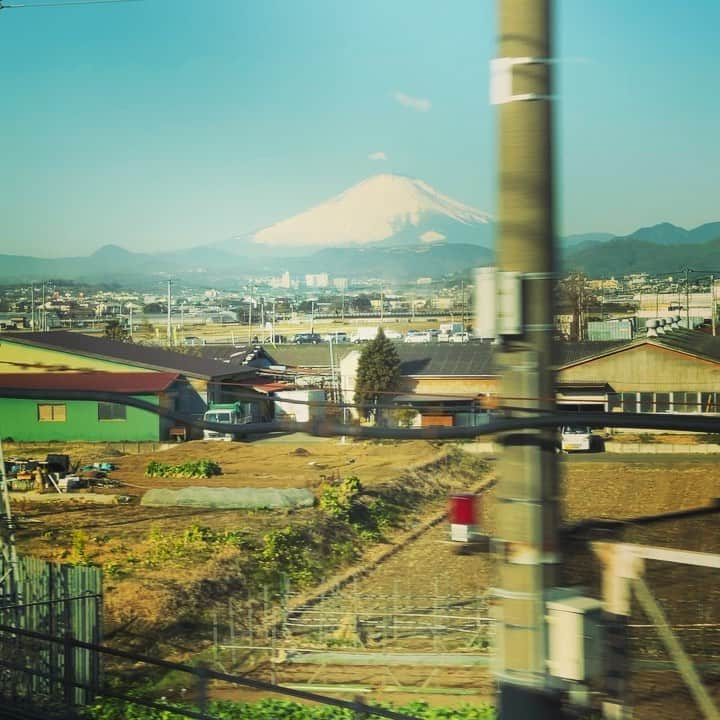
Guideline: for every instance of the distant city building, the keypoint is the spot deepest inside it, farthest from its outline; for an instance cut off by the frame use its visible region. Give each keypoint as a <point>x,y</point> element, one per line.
<point>341,283</point>
<point>281,282</point>
<point>441,303</point>
<point>317,280</point>
<point>606,284</point>
<point>424,281</point>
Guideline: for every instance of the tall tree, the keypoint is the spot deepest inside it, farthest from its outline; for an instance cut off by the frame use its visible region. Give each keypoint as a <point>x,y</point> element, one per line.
<point>378,371</point>
<point>115,331</point>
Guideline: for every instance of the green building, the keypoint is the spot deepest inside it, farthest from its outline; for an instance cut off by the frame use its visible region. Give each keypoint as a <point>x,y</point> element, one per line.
<point>37,367</point>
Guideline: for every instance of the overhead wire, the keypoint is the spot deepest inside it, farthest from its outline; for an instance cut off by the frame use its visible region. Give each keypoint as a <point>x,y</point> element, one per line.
<point>330,428</point>
<point>15,6</point>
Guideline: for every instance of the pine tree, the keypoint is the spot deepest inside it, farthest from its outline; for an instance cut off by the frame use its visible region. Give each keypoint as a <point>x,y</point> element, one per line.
<point>378,371</point>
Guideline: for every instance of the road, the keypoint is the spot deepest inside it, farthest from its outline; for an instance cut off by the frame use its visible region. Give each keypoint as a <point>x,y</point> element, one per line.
<point>662,459</point>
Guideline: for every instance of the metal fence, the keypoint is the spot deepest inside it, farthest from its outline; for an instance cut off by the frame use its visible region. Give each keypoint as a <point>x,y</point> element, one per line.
<point>393,623</point>
<point>198,679</point>
<point>62,601</point>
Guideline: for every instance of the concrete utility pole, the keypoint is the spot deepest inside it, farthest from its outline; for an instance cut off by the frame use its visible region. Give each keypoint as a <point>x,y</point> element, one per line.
<point>169,305</point>
<point>528,514</point>
<point>712,304</point>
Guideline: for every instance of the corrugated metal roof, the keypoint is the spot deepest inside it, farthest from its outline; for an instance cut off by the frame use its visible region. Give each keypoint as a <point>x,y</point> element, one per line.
<point>693,342</point>
<point>130,383</point>
<point>440,359</point>
<point>472,359</point>
<point>147,356</point>
<point>568,353</point>
<point>309,356</point>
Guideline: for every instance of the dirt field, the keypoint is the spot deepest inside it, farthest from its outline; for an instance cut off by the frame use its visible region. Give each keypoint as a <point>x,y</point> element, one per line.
<point>154,558</point>
<point>294,462</point>
<point>617,487</point>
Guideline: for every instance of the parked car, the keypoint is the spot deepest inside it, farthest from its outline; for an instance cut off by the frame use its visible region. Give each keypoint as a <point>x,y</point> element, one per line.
<point>575,437</point>
<point>418,337</point>
<point>459,337</point>
<point>307,339</point>
<point>336,337</point>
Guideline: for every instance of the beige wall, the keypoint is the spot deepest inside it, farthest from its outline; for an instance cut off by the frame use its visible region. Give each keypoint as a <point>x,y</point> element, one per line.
<point>449,386</point>
<point>647,368</point>
<point>17,357</point>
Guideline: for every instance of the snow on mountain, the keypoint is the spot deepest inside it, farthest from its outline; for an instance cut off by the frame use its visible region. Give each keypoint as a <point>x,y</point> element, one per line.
<point>375,210</point>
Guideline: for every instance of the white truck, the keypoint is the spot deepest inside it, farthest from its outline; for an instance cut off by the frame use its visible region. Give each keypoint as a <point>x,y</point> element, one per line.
<point>364,334</point>
<point>236,413</point>
<point>448,329</point>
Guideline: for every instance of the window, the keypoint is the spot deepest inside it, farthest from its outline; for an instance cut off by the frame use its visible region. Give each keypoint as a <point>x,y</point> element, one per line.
<point>614,402</point>
<point>662,402</point>
<point>709,402</point>
<point>629,402</point>
<point>685,402</point>
<point>52,413</point>
<point>646,402</point>
<point>111,411</point>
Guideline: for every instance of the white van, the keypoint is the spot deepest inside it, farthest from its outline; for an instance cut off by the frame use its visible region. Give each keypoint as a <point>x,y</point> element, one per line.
<point>575,438</point>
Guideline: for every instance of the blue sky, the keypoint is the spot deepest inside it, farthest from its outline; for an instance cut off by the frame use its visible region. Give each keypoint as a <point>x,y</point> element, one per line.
<point>174,123</point>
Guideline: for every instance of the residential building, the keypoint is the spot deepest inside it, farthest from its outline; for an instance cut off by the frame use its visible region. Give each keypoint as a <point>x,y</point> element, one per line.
<point>60,354</point>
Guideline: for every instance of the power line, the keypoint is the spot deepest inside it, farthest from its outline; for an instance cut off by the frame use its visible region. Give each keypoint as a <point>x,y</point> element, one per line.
<point>330,428</point>
<point>16,6</point>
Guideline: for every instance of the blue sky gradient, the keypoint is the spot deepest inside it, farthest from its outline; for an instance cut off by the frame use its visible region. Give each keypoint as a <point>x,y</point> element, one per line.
<point>173,123</point>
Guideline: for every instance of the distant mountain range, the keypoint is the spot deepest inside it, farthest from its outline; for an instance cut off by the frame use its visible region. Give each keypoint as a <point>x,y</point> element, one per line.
<point>387,226</point>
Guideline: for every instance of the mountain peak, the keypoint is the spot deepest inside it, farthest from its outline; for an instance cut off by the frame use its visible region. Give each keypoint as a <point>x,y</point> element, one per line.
<point>111,251</point>
<point>374,210</point>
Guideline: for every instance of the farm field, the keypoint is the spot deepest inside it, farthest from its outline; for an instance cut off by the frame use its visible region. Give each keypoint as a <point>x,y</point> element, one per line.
<point>142,596</point>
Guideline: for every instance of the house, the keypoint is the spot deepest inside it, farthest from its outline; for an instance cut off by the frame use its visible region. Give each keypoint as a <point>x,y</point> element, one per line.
<point>61,354</point>
<point>38,416</point>
<point>443,384</point>
<point>676,372</point>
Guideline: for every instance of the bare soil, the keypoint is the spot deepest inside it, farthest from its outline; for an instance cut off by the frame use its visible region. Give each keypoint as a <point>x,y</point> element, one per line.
<point>619,488</point>
<point>287,463</point>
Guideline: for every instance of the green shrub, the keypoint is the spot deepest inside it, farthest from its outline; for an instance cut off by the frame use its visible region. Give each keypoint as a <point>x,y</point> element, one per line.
<point>194,469</point>
<point>111,709</point>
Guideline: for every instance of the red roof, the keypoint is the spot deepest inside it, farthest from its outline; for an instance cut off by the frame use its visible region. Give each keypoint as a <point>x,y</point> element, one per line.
<point>130,383</point>
<point>269,387</point>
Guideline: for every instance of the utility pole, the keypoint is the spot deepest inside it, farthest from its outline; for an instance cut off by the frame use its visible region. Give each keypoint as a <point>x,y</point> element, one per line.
<point>250,307</point>
<point>687,298</point>
<point>712,305</point>
<point>527,491</point>
<point>169,305</point>
<point>274,320</point>
<point>32,307</point>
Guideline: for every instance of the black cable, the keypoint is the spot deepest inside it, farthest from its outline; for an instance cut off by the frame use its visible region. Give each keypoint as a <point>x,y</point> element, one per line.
<point>331,428</point>
<point>61,3</point>
<point>209,674</point>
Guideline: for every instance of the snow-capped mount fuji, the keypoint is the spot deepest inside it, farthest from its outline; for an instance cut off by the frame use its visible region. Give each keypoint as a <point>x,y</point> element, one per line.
<point>386,209</point>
